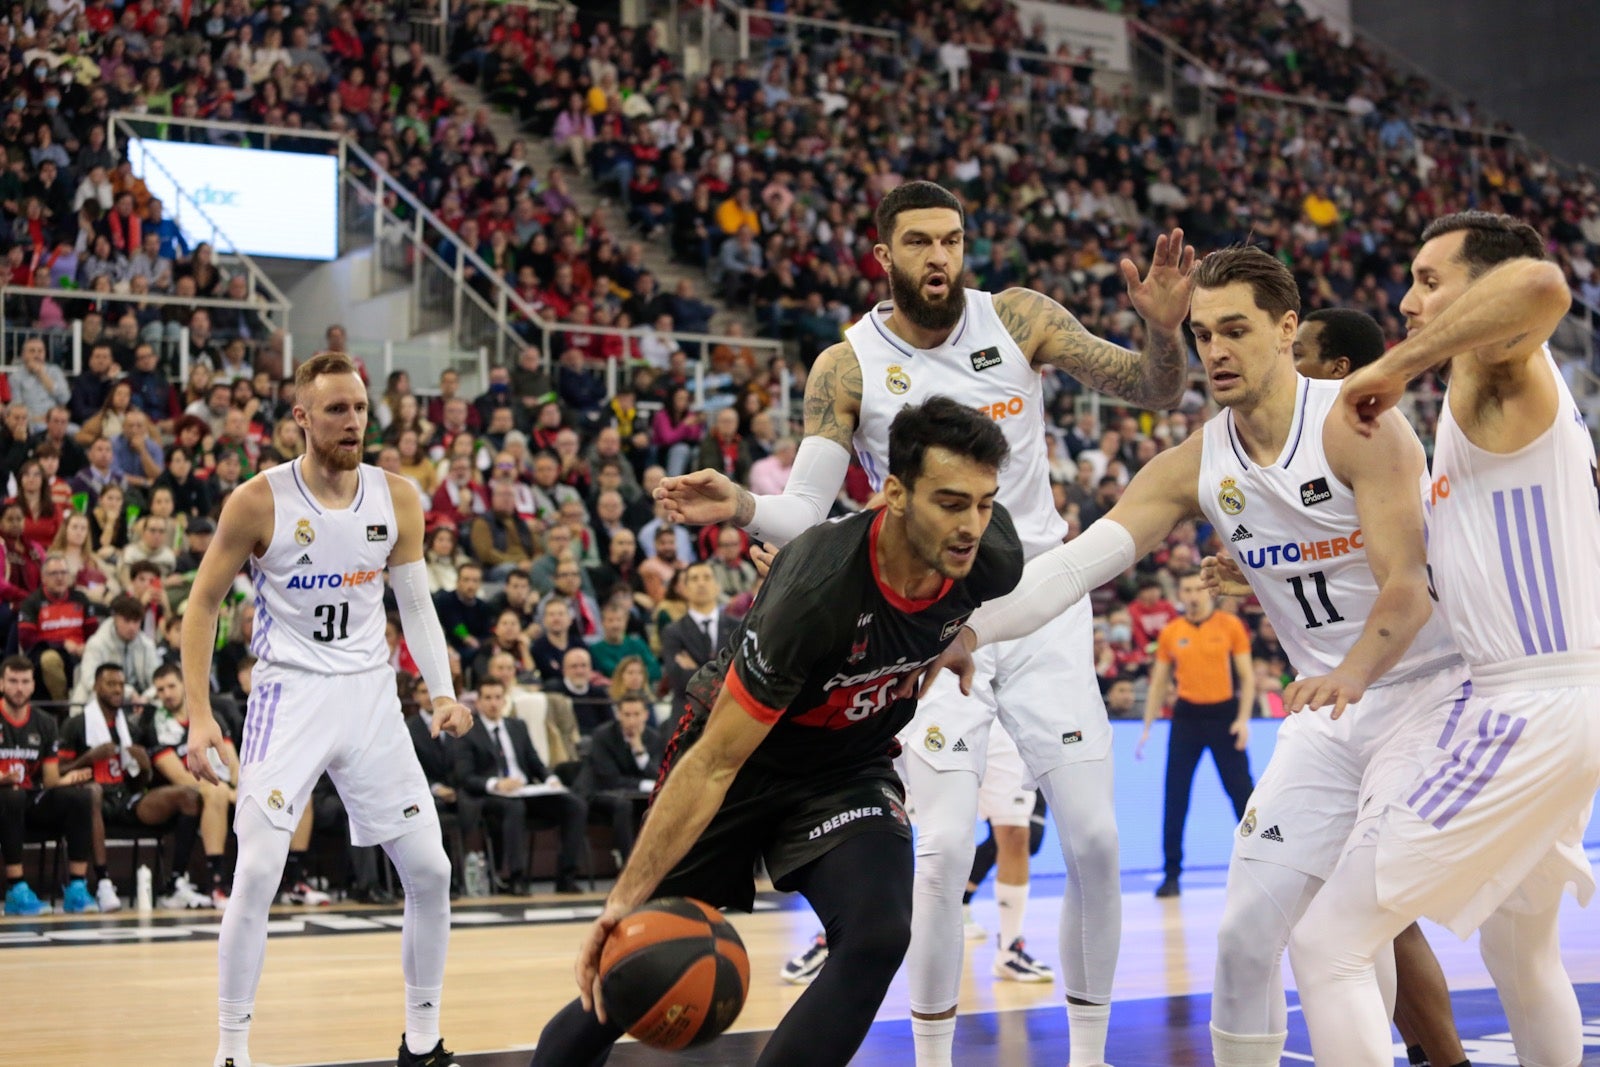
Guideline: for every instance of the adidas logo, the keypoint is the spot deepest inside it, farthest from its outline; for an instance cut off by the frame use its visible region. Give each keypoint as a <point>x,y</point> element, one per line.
<point>1271,834</point>
<point>304,561</point>
<point>960,745</point>
<point>1241,534</point>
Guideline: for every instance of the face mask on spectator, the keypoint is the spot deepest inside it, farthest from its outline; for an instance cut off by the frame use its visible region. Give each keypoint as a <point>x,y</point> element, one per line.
<point>1119,633</point>
<point>66,77</point>
<point>40,70</point>
<point>18,103</point>
<point>52,102</point>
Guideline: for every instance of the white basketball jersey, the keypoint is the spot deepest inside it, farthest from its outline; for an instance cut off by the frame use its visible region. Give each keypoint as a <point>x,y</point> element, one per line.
<point>1515,546</point>
<point>1294,531</point>
<point>319,585</point>
<point>980,366</point>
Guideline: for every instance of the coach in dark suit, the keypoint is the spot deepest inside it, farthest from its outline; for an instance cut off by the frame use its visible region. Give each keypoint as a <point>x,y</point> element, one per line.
<point>623,762</point>
<point>496,758</point>
<point>699,636</point>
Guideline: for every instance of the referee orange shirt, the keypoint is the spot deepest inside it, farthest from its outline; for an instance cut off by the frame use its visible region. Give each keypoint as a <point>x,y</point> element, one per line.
<point>1201,656</point>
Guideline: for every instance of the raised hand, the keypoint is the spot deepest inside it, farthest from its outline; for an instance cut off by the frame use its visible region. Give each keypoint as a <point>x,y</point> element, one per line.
<point>1162,297</point>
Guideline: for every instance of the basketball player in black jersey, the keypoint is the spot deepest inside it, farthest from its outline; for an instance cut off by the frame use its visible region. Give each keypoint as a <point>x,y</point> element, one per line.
<point>783,751</point>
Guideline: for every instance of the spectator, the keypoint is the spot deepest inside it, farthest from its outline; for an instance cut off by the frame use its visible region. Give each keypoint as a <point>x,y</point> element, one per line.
<point>769,476</point>
<point>591,704</point>
<point>151,543</point>
<point>42,517</point>
<point>734,574</point>
<point>90,391</point>
<point>121,640</point>
<point>724,448</point>
<point>623,762</point>
<point>698,637</point>
<point>1150,613</point>
<point>57,424</point>
<point>507,639</point>
<point>136,454</point>
<point>615,643</point>
<point>72,543</point>
<point>466,619</point>
<point>459,498</point>
<point>37,384</point>
<point>55,622</point>
<point>517,597</point>
<point>675,430</point>
<point>549,493</point>
<point>501,540</point>
<point>108,525</point>
<point>443,558</point>
<point>568,586</point>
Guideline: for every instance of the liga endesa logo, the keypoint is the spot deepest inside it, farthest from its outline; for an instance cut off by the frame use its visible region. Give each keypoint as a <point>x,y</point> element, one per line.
<point>209,195</point>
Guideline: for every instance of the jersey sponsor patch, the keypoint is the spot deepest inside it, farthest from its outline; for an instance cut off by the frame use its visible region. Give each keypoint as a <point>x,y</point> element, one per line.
<point>952,628</point>
<point>1315,492</point>
<point>379,532</point>
<point>985,358</point>
<point>1072,737</point>
<point>331,581</point>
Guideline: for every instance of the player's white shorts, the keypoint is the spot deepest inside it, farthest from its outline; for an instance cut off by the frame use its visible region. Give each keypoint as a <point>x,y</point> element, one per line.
<point>1324,771</point>
<point>301,724</point>
<point>1001,798</point>
<point>1497,816</point>
<point>1043,689</point>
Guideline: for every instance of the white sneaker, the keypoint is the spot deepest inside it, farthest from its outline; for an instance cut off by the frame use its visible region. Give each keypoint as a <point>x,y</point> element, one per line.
<point>301,893</point>
<point>183,896</point>
<point>1015,965</point>
<point>970,927</point>
<point>219,899</point>
<point>804,967</point>
<point>105,895</point>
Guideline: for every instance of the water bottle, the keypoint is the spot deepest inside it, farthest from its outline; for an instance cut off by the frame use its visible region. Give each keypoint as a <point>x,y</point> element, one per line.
<point>143,894</point>
<point>477,875</point>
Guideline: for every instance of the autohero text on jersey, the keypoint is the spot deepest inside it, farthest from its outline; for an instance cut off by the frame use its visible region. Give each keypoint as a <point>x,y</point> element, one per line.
<point>332,581</point>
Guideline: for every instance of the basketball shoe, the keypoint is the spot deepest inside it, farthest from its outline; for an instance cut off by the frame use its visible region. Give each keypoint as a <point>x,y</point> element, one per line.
<point>301,893</point>
<point>1015,965</point>
<point>439,1056</point>
<point>805,966</point>
<point>22,900</point>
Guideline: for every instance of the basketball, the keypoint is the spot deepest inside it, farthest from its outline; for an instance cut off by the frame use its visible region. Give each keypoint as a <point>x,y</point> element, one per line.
<point>674,973</point>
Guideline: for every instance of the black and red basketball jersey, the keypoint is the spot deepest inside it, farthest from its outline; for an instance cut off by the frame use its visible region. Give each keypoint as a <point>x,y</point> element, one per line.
<point>28,742</point>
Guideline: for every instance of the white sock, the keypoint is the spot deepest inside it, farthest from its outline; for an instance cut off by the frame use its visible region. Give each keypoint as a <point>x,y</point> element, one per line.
<point>233,1031</point>
<point>1246,1050</point>
<point>935,1041</point>
<point>422,1018</point>
<point>1086,1034</point>
<point>1013,903</point>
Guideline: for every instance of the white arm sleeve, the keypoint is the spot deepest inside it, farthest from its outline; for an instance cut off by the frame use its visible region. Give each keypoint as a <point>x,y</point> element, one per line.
<point>420,624</point>
<point>1053,582</point>
<point>814,483</point>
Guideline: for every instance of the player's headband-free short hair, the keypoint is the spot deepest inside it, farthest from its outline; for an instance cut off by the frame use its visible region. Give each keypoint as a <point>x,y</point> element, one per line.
<point>166,669</point>
<point>1270,282</point>
<point>1491,239</point>
<point>321,364</point>
<point>104,668</point>
<point>940,422</point>
<point>1346,332</point>
<point>912,196</point>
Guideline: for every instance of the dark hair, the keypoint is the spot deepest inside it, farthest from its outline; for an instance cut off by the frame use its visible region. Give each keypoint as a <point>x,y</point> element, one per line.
<point>1346,332</point>
<point>144,566</point>
<point>166,669</point>
<point>633,697</point>
<point>16,664</point>
<point>124,606</point>
<point>104,667</point>
<point>940,422</point>
<point>1269,280</point>
<point>912,196</point>
<point>1491,238</point>
<point>491,681</point>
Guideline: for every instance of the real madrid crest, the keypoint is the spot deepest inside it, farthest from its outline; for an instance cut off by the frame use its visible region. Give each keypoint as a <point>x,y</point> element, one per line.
<point>898,381</point>
<point>933,741</point>
<point>1231,497</point>
<point>303,533</point>
<point>1248,827</point>
<point>275,800</point>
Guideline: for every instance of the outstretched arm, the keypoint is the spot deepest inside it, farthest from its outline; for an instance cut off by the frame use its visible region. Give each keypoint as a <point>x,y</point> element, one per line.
<point>418,619</point>
<point>1049,334</point>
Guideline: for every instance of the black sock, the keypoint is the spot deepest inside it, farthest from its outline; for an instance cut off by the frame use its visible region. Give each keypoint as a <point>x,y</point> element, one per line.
<point>1464,1063</point>
<point>214,869</point>
<point>101,871</point>
<point>966,898</point>
<point>8,881</point>
<point>185,830</point>
<point>294,870</point>
<point>1417,1057</point>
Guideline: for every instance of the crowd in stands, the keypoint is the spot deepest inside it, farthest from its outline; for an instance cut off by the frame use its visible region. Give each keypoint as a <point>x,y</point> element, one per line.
<point>573,611</point>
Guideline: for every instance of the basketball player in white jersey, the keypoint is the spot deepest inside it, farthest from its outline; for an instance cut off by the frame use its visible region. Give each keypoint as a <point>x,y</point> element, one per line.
<point>1328,527</point>
<point>318,534</point>
<point>986,350</point>
<point>1488,833</point>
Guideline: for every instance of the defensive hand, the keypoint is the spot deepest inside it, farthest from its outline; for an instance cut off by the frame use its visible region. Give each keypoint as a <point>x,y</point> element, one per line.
<point>1162,298</point>
<point>1339,690</point>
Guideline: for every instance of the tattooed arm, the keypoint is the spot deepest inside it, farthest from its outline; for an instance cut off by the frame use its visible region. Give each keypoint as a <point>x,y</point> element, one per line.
<point>1049,334</point>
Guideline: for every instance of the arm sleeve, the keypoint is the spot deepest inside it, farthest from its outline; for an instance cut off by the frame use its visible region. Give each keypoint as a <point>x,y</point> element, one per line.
<point>420,623</point>
<point>1055,581</point>
<point>819,469</point>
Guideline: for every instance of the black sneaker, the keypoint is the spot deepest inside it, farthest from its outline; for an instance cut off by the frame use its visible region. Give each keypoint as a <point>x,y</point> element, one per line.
<point>438,1057</point>
<point>1168,888</point>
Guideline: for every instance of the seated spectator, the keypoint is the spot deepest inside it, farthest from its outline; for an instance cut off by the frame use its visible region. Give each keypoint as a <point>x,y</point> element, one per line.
<point>549,492</point>
<point>214,408</point>
<point>59,488</point>
<point>591,701</point>
<point>101,473</point>
<point>735,574</point>
<point>724,448</point>
<point>57,424</point>
<point>505,473</point>
<point>93,387</point>
<point>433,753</point>
<point>414,462</point>
<point>615,644</point>
<point>55,621</point>
<point>227,475</point>
<point>443,558</point>
<point>700,635</point>
<point>41,516</point>
<point>136,454</point>
<point>119,639</point>
<point>495,760</point>
<point>151,543</point>
<point>558,636</point>
<point>466,619</point>
<point>152,393</point>
<point>568,586</point>
<point>507,639</point>
<point>72,543</point>
<point>502,540</point>
<point>38,384</point>
<point>769,476</point>
<point>518,597</point>
<point>459,498</point>
<point>623,762</point>
<point>154,593</point>
<point>191,495</point>
<point>620,571</point>
<point>675,431</point>
<point>108,526</point>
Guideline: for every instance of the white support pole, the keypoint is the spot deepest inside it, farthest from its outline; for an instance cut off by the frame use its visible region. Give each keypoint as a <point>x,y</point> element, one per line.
<point>77,347</point>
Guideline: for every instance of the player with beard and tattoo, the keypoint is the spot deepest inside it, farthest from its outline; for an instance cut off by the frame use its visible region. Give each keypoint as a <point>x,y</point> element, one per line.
<point>318,534</point>
<point>986,350</point>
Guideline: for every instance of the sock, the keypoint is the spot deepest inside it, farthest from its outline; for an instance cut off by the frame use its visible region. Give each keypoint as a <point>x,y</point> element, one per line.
<point>294,869</point>
<point>1464,1063</point>
<point>1013,902</point>
<point>8,881</point>
<point>101,871</point>
<point>233,1031</point>
<point>1246,1050</point>
<point>422,1018</point>
<point>1086,1033</point>
<point>935,1041</point>
<point>214,870</point>
<point>1417,1057</point>
<point>966,898</point>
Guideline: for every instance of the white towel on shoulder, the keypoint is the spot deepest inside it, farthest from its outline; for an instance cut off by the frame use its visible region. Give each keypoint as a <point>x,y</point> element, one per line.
<point>98,732</point>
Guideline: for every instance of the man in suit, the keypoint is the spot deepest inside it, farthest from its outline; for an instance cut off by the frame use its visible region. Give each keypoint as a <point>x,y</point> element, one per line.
<point>624,759</point>
<point>433,753</point>
<point>494,760</point>
<point>697,637</point>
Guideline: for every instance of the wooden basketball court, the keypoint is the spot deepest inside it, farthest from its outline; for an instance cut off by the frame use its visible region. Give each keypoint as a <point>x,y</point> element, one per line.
<point>81,990</point>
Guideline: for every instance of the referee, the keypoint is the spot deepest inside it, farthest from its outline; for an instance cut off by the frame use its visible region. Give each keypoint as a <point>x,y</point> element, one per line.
<point>1204,651</point>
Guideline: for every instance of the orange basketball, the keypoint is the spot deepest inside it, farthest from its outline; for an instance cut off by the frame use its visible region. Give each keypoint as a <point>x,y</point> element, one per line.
<point>674,973</point>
